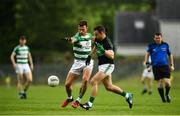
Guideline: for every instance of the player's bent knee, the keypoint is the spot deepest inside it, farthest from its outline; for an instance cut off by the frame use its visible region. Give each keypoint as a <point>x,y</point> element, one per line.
<point>168,84</point>
<point>160,83</point>
<point>30,80</point>
<point>85,79</point>
<point>19,84</point>
<point>85,82</point>
<point>67,85</point>
<point>93,82</point>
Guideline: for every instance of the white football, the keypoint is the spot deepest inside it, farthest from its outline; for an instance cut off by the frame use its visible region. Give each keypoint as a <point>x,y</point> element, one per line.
<point>53,81</point>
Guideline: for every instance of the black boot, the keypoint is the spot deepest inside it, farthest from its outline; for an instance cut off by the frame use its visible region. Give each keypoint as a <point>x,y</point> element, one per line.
<point>168,98</point>
<point>161,93</point>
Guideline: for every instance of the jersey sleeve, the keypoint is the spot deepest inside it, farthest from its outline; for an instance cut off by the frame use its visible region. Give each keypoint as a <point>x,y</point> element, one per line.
<point>15,50</point>
<point>76,36</point>
<point>148,49</point>
<point>108,45</point>
<point>168,50</point>
<point>28,49</point>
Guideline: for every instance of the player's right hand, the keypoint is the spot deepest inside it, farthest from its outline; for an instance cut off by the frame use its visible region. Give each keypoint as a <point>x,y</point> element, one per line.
<point>14,66</point>
<point>67,38</point>
<point>149,69</point>
<point>148,64</point>
<point>88,60</point>
<point>172,68</point>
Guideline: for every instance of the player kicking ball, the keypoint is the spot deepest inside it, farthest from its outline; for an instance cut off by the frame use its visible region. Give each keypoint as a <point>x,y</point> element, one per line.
<point>105,53</point>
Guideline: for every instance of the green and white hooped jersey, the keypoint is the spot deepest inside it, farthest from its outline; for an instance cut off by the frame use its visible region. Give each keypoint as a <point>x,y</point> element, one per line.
<point>82,47</point>
<point>21,54</point>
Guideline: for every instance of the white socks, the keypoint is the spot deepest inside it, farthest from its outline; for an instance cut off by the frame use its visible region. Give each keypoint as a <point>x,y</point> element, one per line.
<point>90,104</point>
<point>78,99</point>
<point>127,95</point>
<point>69,97</point>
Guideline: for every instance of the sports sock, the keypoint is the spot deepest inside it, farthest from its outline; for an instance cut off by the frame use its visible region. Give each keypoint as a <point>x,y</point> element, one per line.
<point>161,93</point>
<point>167,90</point>
<point>22,92</point>
<point>79,99</point>
<point>90,104</point>
<point>69,97</point>
<point>91,99</point>
<point>123,94</point>
<point>145,88</point>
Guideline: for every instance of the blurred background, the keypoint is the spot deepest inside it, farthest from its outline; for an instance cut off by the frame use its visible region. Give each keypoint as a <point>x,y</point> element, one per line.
<point>130,23</point>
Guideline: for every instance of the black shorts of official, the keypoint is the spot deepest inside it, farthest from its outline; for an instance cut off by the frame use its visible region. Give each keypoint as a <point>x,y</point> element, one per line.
<point>161,72</point>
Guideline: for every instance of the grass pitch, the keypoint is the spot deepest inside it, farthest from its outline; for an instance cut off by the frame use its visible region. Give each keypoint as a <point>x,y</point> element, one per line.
<point>45,100</point>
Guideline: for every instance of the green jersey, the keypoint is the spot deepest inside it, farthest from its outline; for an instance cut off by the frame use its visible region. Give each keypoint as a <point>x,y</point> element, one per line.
<point>21,54</point>
<point>82,46</point>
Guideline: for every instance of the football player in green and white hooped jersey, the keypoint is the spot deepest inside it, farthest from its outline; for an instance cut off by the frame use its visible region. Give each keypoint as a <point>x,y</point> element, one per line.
<point>20,58</point>
<point>82,42</point>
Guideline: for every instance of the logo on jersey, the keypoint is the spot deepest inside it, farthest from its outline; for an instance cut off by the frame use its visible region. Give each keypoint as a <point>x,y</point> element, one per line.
<point>154,50</point>
<point>163,49</point>
<point>86,44</point>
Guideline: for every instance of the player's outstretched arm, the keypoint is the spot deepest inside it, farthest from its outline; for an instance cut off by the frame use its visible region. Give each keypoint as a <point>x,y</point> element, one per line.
<point>71,39</point>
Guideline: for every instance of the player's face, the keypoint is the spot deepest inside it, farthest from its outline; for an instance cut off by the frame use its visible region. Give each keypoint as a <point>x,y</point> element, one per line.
<point>82,30</point>
<point>158,39</point>
<point>22,41</point>
<point>97,35</point>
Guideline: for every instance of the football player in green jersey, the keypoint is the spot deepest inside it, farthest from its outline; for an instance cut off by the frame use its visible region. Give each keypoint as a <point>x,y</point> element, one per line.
<point>105,53</point>
<point>21,58</point>
<point>82,42</point>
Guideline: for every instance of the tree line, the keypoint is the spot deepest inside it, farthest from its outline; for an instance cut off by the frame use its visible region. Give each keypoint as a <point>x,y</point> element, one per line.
<point>46,22</point>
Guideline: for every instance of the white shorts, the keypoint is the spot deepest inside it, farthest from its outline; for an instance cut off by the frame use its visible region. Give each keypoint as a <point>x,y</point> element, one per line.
<point>147,74</point>
<point>23,68</point>
<point>106,68</point>
<point>79,65</point>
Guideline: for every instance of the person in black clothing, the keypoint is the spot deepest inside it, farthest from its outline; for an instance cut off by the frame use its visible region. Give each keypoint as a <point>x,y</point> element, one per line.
<point>105,53</point>
<point>162,64</point>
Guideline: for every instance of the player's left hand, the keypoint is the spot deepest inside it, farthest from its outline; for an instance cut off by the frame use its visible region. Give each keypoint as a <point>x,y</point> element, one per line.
<point>148,64</point>
<point>172,68</point>
<point>88,60</point>
<point>67,38</point>
<point>149,69</point>
<point>99,49</point>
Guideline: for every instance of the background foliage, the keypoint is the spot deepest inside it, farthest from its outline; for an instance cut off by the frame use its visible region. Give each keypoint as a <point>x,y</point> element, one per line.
<point>46,22</point>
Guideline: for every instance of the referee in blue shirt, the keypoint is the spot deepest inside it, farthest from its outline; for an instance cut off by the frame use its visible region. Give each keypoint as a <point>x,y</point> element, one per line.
<point>162,63</point>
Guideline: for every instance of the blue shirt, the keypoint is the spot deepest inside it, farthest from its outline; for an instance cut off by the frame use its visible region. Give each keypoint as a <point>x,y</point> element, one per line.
<point>159,53</point>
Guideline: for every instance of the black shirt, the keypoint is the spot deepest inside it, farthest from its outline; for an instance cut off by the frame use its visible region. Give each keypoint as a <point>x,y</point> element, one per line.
<point>106,43</point>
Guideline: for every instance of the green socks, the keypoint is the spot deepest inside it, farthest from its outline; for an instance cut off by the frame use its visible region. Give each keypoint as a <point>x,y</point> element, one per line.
<point>91,99</point>
<point>123,94</point>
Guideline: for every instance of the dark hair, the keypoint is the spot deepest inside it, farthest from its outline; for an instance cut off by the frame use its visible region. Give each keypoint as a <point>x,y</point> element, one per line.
<point>82,23</point>
<point>100,28</point>
<point>22,37</point>
<point>158,34</point>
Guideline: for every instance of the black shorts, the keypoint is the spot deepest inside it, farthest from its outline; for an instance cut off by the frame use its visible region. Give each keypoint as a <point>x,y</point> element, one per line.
<point>161,72</point>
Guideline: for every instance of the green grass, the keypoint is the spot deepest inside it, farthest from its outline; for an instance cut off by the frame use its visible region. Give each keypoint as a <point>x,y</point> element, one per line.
<point>46,100</point>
